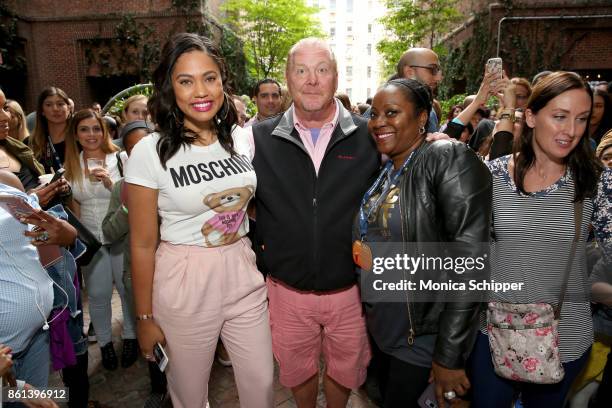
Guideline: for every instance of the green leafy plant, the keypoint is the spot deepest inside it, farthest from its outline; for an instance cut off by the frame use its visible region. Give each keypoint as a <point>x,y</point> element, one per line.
<point>268,29</point>
<point>414,21</point>
<point>133,50</point>
<point>10,44</point>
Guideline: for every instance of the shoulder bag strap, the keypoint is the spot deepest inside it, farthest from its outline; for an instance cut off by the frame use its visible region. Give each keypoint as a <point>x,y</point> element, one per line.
<point>578,206</point>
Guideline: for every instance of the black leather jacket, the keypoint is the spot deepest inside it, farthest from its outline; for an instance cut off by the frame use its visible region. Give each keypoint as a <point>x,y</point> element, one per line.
<point>445,196</point>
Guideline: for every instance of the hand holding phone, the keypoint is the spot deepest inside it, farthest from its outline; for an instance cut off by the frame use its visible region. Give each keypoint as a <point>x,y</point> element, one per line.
<point>428,398</point>
<point>58,175</point>
<point>161,358</point>
<point>494,65</point>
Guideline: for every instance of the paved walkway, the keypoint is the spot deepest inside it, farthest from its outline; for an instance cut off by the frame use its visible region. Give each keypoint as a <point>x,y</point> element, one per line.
<point>129,388</point>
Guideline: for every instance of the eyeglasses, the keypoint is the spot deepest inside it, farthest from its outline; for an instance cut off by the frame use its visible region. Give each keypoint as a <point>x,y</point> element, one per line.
<point>434,69</point>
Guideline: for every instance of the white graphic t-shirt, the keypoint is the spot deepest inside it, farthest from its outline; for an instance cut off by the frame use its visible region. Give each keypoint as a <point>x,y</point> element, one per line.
<point>203,193</point>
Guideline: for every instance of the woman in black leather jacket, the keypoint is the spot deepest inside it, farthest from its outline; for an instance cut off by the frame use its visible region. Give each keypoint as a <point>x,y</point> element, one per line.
<point>438,193</point>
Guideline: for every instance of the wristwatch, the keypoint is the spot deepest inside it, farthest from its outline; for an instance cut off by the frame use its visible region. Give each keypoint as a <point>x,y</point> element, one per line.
<point>508,114</point>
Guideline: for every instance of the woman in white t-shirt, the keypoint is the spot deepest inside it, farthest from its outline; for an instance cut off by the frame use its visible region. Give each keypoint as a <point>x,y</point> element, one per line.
<point>202,281</point>
<point>91,189</point>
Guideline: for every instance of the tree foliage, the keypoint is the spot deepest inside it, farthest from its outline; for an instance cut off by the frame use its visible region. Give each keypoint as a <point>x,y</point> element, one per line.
<point>412,22</point>
<point>269,28</point>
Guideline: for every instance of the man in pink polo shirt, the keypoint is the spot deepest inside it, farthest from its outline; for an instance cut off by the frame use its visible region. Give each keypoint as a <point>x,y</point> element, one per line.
<point>313,165</point>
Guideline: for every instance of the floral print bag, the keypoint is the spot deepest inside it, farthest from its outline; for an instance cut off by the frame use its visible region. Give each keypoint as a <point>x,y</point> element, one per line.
<point>524,339</point>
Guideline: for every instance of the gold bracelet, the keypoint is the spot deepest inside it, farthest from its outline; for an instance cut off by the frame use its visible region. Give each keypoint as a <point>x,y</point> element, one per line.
<point>144,317</point>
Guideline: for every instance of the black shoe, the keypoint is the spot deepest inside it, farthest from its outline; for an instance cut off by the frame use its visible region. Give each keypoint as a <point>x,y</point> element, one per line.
<point>109,358</point>
<point>91,334</point>
<point>129,354</point>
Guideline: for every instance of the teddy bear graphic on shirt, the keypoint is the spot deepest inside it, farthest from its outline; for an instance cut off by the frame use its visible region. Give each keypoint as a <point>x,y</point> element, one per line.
<point>230,208</point>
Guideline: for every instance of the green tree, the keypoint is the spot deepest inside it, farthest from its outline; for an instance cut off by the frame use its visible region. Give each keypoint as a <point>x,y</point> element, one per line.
<point>414,22</point>
<point>269,28</point>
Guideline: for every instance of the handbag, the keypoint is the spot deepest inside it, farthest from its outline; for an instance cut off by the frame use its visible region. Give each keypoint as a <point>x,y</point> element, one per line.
<point>86,237</point>
<point>524,338</point>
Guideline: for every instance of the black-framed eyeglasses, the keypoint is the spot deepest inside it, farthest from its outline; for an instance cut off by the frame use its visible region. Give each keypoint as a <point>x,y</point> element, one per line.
<point>434,69</point>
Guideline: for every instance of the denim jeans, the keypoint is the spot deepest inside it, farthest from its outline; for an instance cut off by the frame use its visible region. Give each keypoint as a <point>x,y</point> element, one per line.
<point>32,364</point>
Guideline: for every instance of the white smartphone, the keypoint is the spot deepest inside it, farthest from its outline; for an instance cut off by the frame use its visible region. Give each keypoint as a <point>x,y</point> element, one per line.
<point>495,65</point>
<point>161,358</point>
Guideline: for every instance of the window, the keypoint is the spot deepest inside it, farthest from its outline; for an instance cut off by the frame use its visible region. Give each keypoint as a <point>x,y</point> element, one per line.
<point>349,28</point>
<point>349,70</point>
<point>368,92</point>
<point>332,31</point>
<point>369,28</point>
<point>369,47</point>
<point>349,92</point>
<point>349,6</point>
<point>332,4</point>
<point>369,72</point>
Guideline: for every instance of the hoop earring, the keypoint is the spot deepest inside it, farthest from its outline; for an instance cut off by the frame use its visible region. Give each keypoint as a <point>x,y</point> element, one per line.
<point>422,130</point>
<point>224,108</point>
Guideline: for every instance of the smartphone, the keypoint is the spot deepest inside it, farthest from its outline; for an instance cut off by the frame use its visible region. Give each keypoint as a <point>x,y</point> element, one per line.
<point>428,398</point>
<point>58,175</point>
<point>495,65</point>
<point>17,206</point>
<point>161,358</point>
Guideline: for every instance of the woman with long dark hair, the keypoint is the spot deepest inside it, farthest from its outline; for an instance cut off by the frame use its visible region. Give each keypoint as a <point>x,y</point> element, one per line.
<point>52,116</point>
<point>601,116</point>
<point>17,157</point>
<point>539,193</point>
<point>201,281</point>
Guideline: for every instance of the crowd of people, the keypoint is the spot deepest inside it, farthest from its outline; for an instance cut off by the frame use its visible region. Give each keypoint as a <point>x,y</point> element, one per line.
<point>250,240</point>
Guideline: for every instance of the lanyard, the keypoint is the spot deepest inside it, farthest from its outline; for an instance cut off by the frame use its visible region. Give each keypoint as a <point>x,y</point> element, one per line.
<point>52,154</point>
<point>392,179</point>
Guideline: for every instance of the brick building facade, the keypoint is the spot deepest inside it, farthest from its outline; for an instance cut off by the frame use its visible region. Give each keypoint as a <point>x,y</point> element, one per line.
<point>561,37</point>
<point>74,45</point>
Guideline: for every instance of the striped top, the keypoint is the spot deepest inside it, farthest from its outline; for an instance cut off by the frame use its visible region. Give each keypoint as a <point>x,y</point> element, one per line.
<point>533,234</point>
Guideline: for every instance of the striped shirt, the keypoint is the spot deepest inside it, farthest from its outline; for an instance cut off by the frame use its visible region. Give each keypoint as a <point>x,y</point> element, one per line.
<point>533,235</point>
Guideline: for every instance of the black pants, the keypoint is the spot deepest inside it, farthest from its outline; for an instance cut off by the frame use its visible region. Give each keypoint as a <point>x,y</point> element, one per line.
<point>75,378</point>
<point>401,384</point>
<point>158,379</point>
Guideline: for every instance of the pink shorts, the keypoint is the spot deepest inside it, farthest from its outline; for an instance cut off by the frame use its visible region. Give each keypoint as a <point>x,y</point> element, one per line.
<point>304,324</point>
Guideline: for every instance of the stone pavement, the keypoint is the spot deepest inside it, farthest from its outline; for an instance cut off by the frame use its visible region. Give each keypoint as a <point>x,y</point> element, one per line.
<point>129,388</point>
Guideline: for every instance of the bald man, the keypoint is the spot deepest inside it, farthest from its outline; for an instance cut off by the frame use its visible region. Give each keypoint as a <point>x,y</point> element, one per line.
<point>313,164</point>
<point>423,65</point>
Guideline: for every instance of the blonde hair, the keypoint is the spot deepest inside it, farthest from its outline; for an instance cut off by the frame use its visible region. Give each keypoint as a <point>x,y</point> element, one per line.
<point>605,142</point>
<point>72,162</point>
<point>311,42</point>
<point>21,131</point>
<point>129,101</point>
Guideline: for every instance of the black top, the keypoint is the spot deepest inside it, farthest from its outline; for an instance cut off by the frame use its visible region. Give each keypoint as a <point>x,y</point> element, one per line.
<point>48,160</point>
<point>304,219</point>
